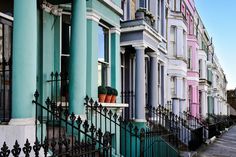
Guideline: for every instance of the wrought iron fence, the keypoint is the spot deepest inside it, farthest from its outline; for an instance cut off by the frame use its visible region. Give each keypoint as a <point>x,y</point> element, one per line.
<point>217,123</point>
<point>59,88</point>
<point>186,136</point>
<point>67,134</point>
<point>129,98</point>
<point>129,140</point>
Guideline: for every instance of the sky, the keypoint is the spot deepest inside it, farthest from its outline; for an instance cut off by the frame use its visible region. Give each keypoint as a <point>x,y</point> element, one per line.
<point>219,18</point>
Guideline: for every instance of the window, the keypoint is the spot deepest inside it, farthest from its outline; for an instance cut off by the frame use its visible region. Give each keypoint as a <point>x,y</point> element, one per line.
<point>173,40</point>
<point>175,5</point>
<point>183,9</point>
<point>183,87</point>
<point>5,68</point>
<point>190,90</point>
<point>173,86</point>
<point>200,102</point>
<point>103,55</point>
<point>66,33</point>
<point>189,57</point>
<point>191,25</point>
<point>65,53</point>
<point>133,9</point>
<point>124,8</point>
<point>200,68</point>
<point>184,43</point>
<point>1,41</point>
<point>144,4</point>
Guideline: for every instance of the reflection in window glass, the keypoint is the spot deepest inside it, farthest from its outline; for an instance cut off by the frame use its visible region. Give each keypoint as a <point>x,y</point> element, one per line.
<point>103,44</point>
<point>103,55</point>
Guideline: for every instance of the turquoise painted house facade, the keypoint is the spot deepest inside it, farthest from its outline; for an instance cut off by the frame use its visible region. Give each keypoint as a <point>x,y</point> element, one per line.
<point>79,38</point>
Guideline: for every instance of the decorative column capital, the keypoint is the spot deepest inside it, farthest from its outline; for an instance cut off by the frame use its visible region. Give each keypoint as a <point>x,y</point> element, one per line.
<point>93,16</point>
<point>153,54</point>
<point>140,46</point>
<point>115,30</point>
<point>122,50</point>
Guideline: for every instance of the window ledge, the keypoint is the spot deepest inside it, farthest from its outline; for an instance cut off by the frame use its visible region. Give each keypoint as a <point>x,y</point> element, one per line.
<point>114,105</point>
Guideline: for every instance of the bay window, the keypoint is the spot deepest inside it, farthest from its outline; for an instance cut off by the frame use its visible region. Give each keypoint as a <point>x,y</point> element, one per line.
<point>103,55</point>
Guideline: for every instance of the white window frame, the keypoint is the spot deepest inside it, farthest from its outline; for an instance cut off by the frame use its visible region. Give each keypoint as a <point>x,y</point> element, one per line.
<point>108,83</point>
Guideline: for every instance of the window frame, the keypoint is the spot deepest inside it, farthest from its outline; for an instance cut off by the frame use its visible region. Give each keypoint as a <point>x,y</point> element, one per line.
<point>106,63</point>
<point>173,43</point>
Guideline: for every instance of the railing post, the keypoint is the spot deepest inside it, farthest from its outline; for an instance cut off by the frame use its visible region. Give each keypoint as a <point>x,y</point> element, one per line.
<point>142,138</point>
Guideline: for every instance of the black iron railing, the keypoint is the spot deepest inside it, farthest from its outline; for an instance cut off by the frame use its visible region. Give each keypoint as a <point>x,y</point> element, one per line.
<point>68,134</point>
<point>5,90</point>
<point>128,139</point>
<point>217,123</point>
<point>59,88</point>
<point>128,97</point>
<point>186,136</point>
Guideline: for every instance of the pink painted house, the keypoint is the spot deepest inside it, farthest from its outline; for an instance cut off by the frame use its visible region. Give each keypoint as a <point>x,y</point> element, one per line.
<point>192,60</point>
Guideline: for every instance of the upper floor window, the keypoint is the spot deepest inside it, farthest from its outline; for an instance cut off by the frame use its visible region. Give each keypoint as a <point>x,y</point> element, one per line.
<point>190,90</point>
<point>173,40</point>
<point>133,8</point>
<point>175,5</point>
<point>189,57</point>
<point>103,55</point>
<point>185,44</point>
<point>200,68</point>
<point>144,4</point>
<point>191,25</point>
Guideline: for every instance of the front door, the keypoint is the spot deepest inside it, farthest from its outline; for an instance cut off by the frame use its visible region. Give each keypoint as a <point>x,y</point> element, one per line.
<point>5,68</point>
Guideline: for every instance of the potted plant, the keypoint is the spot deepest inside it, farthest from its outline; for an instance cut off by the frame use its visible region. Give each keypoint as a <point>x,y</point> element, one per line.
<point>114,95</point>
<point>140,13</point>
<point>109,94</point>
<point>102,91</point>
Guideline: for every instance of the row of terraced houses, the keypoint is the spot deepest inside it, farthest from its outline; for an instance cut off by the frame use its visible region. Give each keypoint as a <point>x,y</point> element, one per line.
<point>156,53</point>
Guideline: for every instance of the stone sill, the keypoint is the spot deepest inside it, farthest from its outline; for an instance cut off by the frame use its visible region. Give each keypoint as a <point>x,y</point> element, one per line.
<point>114,105</point>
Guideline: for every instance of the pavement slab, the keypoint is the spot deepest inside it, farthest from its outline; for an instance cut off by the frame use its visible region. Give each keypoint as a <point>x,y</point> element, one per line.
<point>224,146</point>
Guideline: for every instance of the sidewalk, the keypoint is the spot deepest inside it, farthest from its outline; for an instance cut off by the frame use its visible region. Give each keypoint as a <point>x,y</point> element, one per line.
<point>225,146</point>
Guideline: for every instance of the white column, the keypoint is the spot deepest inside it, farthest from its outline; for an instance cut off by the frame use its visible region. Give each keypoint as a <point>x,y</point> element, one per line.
<point>215,106</point>
<point>204,105</point>
<point>175,106</point>
<point>140,84</point>
<point>153,81</point>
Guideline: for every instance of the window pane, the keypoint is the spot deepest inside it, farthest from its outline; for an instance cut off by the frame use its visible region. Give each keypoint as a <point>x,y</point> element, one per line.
<point>65,38</point>
<point>142,3</point>
<point>103,44</point>
<point>66,31</point>
<point>102,74</point>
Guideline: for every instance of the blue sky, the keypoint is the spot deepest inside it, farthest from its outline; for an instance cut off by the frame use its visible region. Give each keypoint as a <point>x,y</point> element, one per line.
<point>219,18</point>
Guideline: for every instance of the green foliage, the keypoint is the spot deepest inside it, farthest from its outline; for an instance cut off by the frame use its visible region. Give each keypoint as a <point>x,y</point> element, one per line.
<point>109,90</point>
<point>102,90</point>
<point>114,91</point>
